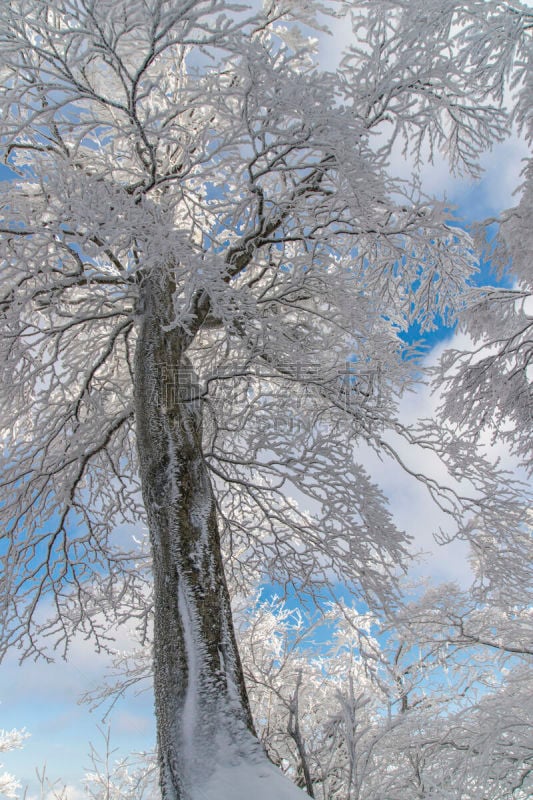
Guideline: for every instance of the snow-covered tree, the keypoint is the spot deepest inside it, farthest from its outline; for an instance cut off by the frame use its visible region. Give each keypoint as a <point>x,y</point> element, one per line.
<point>437,704</point>
<point>10,740</point>
<point>112,778</point>
<point>208,272</point>
<point>489,388</point>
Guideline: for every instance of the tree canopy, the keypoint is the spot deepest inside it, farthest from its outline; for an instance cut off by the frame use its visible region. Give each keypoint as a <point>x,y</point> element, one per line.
<point>187,183</point>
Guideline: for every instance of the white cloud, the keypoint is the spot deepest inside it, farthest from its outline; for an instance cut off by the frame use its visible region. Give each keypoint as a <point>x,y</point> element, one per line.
<point>70,793</point>
<point>61,792</point>
<point>415,512</point>
<point>413,509</point>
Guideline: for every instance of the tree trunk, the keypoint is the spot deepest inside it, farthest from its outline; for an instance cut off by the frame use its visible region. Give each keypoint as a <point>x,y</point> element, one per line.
<point>200,696</point>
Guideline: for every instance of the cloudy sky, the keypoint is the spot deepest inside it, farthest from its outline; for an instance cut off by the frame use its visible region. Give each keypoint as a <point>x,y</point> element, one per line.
<point>44,697</point>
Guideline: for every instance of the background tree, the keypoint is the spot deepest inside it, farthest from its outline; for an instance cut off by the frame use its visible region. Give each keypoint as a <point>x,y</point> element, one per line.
<point>208,274</point>
<point>10,740</point>
<point>435,703</point>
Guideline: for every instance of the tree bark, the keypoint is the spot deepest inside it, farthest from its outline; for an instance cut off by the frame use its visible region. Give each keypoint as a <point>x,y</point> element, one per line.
<point>200,696</point>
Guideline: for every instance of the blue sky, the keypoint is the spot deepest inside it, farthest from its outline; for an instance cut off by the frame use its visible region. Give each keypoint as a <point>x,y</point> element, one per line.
<point>44,697</point>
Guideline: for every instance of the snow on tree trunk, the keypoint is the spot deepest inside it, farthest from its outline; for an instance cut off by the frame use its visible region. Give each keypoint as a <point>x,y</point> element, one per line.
<point>200,695</point>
